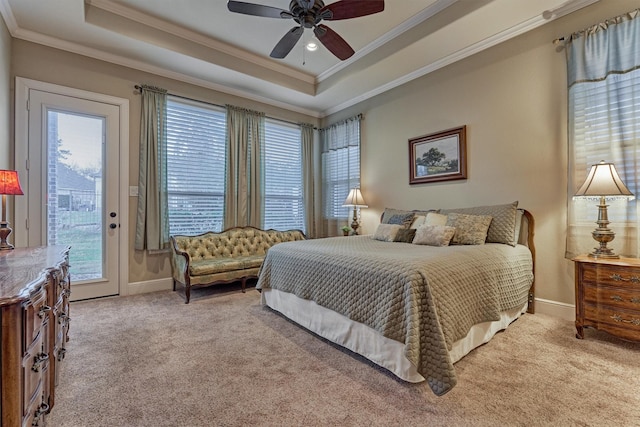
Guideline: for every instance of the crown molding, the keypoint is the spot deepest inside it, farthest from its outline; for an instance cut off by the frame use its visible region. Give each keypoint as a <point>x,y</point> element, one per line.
<point>7,15</point>
<point>498,38</point>
<point>56,43</point>
<point>415,20</point>
<point>194,37</point>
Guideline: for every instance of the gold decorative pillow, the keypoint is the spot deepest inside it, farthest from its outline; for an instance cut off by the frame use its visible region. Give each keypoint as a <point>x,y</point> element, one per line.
<point>434,218</point>
<point>470,229</point>
<point>433,235</point>
<point>387,232</point>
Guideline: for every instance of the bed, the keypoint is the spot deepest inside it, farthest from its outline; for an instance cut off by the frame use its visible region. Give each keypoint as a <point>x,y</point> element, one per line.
<point>412,309</point>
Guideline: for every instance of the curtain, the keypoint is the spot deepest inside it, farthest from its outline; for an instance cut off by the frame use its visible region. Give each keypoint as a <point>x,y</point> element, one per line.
<point>152,219</point>
<point>603,71</point>
<point>308,167</point>
<point>244,192</point>
<point>340,157</point>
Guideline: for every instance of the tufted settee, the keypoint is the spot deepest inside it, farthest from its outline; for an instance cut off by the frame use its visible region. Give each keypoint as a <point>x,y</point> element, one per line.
<point>233,254</point>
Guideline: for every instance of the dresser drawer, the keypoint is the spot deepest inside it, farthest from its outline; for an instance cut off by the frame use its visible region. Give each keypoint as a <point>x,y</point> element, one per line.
<point>626,298</point>
<point>612,275</point>
<point>623,323</point>
<point>35,312</point>
<point>34,364</point>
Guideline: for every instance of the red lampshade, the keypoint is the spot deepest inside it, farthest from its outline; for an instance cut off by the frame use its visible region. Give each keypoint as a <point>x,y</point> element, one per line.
<point>9,183</point>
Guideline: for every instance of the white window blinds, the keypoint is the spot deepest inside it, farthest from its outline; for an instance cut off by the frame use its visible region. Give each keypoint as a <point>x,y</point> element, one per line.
<point>340,166</point>
<point>283,193</point>
<point>605,125</point>
<point>195,166</point>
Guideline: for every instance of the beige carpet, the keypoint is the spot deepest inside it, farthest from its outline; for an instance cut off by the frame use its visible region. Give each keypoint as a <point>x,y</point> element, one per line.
<point>224,360</point>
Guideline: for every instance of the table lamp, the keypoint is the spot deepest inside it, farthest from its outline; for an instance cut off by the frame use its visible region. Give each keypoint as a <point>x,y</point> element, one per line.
<point>603,181</point>
<point>9,186</point>
<point>356,200</point>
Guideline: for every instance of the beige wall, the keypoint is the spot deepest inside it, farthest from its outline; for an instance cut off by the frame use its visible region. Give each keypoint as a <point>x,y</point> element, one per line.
<point>6,148</point>
<point>512,98</point>
<point>49,65</point>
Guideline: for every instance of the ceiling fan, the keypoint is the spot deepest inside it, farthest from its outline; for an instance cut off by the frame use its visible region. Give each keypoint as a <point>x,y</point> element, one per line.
<point>308,14</point>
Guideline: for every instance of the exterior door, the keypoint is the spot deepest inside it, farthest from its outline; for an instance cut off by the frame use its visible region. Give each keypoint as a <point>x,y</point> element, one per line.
<point>73,186</point>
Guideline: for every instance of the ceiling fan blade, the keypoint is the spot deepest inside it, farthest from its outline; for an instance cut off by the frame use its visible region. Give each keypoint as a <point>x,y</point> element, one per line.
<point>287,43</point>
<point>306,4</point>
<point>347,9</point>
<point>332,41</point>
<point>257,10</point>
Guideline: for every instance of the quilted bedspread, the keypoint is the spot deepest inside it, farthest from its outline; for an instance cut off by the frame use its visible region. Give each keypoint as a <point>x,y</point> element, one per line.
<point>425,297</point>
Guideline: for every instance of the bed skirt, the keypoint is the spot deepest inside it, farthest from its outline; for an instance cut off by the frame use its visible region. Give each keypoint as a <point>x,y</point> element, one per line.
<point>368,342</point>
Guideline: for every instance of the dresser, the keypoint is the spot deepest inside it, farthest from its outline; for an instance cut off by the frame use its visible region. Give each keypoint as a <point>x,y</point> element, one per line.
<point>34,329</point>
<point>608,296</point>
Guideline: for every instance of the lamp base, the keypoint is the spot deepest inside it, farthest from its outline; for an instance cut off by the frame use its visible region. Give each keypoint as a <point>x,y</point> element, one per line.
<point>354,223</point>
<point>603,235</point>
<point>5,230</point>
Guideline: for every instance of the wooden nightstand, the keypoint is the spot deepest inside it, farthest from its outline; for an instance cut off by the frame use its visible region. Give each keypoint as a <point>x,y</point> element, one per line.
<point>608,296</point>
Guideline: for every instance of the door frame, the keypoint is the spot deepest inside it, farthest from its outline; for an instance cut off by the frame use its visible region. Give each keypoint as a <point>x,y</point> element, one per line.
<point>22,87</point>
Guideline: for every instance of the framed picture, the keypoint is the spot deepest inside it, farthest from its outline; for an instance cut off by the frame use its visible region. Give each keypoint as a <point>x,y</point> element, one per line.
<point>438,157</point>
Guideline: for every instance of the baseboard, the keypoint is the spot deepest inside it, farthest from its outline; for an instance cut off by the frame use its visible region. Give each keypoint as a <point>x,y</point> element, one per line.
<point>556,309</point>
<point>149,286</point>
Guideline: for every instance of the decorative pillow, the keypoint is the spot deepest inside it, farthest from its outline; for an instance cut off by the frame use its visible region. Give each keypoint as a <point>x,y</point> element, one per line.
<point>435,219</point>
<point>387,232</point>
<point>404,219</point>
<point>503,225</point>
<point>405,235</point>
<point>518,226</point>
<point>433,235</point>
<point>470,229</point>
<point>418,220</point>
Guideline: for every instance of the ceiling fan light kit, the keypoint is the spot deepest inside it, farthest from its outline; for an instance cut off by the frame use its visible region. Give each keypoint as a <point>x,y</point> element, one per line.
<point>308,14</point>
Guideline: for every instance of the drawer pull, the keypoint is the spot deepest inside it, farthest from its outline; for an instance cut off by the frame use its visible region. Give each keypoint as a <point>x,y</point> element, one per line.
<point>43,311</point>
<point>619,319</point>
<point>616,298</point>
<point>39,415</point>
<point>38,360</point>
<point>635,300</point>
<point>617,278</point>
<point>61,354</point>
<point>635,279</point>
<point>63,318</point>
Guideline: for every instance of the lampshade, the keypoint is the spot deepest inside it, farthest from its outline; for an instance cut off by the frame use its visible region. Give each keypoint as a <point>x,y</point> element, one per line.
<point>355,199</point>
<point>9,183</point>
<point>603,180</point>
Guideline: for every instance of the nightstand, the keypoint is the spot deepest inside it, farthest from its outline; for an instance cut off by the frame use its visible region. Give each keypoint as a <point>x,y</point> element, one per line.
<point>608,296</point>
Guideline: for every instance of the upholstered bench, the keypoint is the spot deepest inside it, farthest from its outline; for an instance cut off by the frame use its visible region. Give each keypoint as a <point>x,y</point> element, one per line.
<point>233,254</point>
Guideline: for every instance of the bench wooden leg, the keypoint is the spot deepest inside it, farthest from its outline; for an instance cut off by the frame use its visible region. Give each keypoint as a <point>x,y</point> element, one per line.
<point>244,284</point>
<point>187,293</point>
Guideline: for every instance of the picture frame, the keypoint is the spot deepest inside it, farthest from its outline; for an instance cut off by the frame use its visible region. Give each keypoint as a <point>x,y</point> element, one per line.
<point>437,157</point>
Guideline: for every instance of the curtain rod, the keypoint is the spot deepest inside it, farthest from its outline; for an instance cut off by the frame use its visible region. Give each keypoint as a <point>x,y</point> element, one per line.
<point>633,14</point>
<point>154,88</point>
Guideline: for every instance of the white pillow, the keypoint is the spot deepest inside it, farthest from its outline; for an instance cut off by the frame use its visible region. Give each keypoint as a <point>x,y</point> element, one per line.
<point>387,232</point>
<point>435,219</point>
<point>418,220</point>
<point>433,235</point>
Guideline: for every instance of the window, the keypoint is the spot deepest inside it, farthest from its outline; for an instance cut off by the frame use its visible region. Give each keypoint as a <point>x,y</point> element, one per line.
<point>195,166</point>
<point>283,193</point>
<point>604,126</point>
<point>340,166</point>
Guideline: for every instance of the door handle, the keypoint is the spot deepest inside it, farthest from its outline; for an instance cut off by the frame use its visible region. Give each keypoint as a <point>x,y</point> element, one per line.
<point>112,225</point>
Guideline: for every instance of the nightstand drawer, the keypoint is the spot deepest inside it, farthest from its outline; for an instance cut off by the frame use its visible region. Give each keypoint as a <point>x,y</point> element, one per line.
<point>612,276</point>
<point>628,320</point>
<point>626,298</point>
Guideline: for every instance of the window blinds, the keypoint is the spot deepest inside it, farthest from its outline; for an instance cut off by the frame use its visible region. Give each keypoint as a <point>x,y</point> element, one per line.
<point>195,166</point>
<point>283,193</point>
